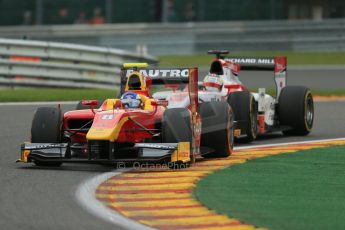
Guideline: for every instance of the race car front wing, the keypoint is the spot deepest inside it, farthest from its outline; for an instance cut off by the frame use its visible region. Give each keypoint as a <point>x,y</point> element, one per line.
<point>145,153</point>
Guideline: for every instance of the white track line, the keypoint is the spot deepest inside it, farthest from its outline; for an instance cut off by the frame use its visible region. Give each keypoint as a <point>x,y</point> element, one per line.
<point>86,192</point>
<point>290,143</point>
<point>86,197</point>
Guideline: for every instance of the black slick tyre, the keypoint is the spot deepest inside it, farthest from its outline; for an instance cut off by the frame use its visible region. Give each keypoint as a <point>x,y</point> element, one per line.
<point>217,128</point>
<point>46,128</point>
<point>176,127</point>
<point>296,110</point>
<point>245,113</point>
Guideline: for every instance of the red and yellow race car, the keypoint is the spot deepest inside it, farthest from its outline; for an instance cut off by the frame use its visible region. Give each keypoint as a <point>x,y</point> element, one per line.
<point>135,127</point>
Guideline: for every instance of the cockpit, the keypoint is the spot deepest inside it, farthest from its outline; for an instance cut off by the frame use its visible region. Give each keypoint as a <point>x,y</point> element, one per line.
<point>216,68</point>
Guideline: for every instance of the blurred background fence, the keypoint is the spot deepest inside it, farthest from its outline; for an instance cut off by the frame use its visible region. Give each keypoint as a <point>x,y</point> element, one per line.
<point>196,37</point>
<point>158,27</point>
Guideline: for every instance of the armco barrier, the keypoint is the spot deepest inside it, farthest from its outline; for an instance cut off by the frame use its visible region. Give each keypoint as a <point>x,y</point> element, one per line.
<point>49,64</point>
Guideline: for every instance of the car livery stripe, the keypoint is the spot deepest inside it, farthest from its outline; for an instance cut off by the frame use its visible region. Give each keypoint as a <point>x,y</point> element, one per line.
<point>161,198</point>
<point>111,134</point>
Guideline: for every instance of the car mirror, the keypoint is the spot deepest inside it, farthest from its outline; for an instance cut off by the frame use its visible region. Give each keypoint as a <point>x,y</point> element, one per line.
<point>90,103</point>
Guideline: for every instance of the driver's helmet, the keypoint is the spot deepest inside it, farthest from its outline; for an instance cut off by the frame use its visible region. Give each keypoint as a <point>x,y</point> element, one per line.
<point>213,82</point>
<point>130,100</point>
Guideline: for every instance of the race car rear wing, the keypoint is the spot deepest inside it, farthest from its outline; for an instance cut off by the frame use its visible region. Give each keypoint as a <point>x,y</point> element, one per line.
<point>164,76</point>
<point>277,64</point>
<point>157,76</point>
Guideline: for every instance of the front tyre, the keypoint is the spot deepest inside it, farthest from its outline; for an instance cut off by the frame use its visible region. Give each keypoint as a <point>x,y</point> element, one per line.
<point>217,128</point>
<point>47,128</point>
<point>176,127</point>
<point>80,106</point>
<point>296,110</point>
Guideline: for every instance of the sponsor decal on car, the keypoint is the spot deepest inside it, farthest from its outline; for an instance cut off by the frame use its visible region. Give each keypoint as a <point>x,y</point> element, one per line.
<point>45,146</point>
<point>161,72</point>
<point>155,146</point>
<point>237,132</point>
<point>268,61</point>
<point>107,117</point>
<point>183,155</point>
<point>254,61</point>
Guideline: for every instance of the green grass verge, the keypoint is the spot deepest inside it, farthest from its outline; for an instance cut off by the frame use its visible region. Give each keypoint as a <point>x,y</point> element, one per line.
<point>334,92</point>
<point>42,94</point>
<point>294,58</point>
<point>16,95</point>
<point>303,190</point>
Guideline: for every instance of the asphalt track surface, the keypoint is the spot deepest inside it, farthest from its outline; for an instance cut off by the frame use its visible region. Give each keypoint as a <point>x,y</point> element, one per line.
<point>42,198</point>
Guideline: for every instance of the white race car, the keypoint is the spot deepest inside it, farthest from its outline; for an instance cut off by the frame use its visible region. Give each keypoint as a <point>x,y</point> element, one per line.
<point>291,110</point>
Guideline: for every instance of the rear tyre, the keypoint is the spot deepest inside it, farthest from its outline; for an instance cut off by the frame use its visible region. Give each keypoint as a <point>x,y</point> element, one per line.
<point>296,110</point>
<point>81,107</point>
<point>217,128</point>
<point>245,112</point>
<point>176,127</point>
<point>46,128</point>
